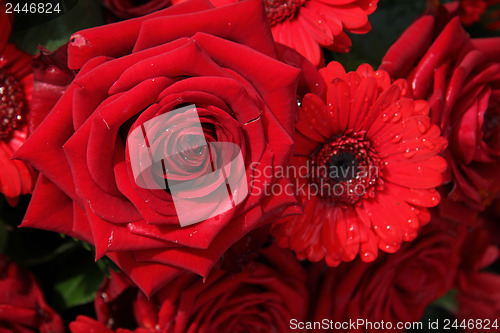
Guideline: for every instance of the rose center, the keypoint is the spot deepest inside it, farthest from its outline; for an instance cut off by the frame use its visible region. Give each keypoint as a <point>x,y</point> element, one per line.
<point>346,169</point>
<point>281,10</point>
<point>11,103</point>
<point>491,121</point>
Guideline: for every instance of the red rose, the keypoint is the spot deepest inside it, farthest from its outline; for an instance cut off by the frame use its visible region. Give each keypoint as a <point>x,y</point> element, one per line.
<point>264,297</point>
<point>114,150</point>
<point>460,77</point>
<point>395,288</point>
<point>22,308</point>
<point>472,11</point>
<point>478,290</point>
<point>124,9</point>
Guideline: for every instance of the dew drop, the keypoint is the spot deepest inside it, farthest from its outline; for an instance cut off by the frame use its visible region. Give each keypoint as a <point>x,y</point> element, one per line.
<point>397,138</point>
<point>428,144</point>
<point>368,256</point>
<point>409,153</point>
<point>396,117</point>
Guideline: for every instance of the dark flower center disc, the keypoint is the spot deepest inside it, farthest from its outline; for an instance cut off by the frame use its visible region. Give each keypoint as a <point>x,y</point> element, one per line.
<point>11,103</point>
<point>281,10</point>
<point>346,169</point>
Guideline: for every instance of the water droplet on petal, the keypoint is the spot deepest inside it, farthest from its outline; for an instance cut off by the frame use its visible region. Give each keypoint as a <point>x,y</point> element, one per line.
<point>397,138</point>
<point>409,153</point>
<point>368,257</point>
<point>428,144</point>
<point>396,117</point>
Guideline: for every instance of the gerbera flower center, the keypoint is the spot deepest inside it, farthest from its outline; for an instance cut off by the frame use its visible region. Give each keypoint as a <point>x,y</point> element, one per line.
<point>11,103</point>
<point>346,169</point>
<point>281,10</point>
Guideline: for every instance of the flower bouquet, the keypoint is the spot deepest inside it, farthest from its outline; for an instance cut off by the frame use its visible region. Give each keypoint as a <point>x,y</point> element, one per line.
<point>249,166</point>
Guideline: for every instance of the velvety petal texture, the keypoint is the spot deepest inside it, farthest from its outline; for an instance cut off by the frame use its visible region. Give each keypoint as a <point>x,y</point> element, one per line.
<point>478,289</point>
<point>395,288</point>
<point>263,297</point>
<point>366,166</point>
<point>119,151</point>
<point>460,78</point>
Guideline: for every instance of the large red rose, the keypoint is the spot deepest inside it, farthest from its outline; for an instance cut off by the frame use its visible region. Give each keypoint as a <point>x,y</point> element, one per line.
<point>460,77</point>
<point>22,307</point>
<point>115,154</point>
<point>395,288</point>
<point>264,297</point>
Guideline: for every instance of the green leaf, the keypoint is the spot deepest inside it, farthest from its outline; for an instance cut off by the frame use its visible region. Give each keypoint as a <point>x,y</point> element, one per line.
<point>433,317</point>
<point>78,282</point>
<point>56,32</point>
<point>448,301</point>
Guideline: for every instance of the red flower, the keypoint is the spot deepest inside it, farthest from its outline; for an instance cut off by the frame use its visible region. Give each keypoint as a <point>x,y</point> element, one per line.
<point>395,288</point>
<point>22,308</point>
<point>472,11</point>
<point>124,9</point>
<point>308,25</point>
<point>16,85</point>
<point>367,164</point>
<point>91,186</point>
<point>264,297</point>
<point>460,78</point>
<point>478,290</point>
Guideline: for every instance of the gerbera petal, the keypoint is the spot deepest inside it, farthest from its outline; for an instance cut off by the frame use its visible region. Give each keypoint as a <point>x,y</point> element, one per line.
<point>320,31</point>
<point>328,16</point>
<point>317,115</point>
<point>390,137</point>
<point>338,98</point>
<point>416,175</point>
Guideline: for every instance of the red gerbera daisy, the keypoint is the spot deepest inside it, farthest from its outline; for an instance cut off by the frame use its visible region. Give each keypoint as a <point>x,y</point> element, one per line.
<point>306,25</point>
<point>16,86</point>
<point>371,156</point>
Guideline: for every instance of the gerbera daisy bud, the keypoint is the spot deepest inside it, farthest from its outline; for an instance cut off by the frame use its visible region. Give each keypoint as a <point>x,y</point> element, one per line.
<point>371,155</point>
<point>11,103</point>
